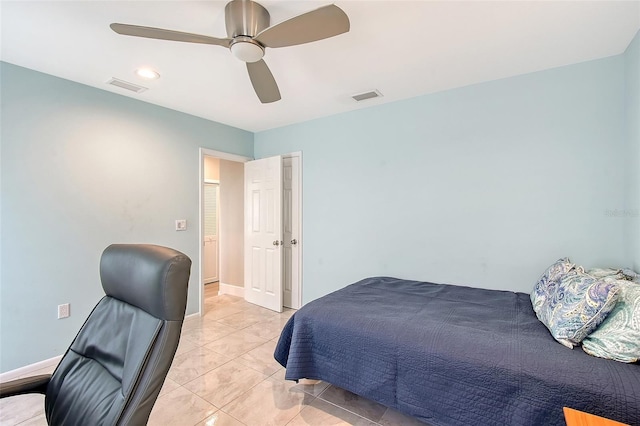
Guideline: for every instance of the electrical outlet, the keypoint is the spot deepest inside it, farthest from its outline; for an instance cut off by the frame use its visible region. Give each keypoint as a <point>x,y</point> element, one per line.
<point>64,311</point>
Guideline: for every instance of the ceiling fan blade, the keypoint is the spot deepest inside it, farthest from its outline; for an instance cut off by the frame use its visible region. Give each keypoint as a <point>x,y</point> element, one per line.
<point>162,34</point>
<point>263,82</point>
<point>325,22</point>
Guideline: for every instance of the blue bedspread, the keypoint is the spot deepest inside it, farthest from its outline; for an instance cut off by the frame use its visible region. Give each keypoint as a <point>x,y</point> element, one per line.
<point>452,355</point>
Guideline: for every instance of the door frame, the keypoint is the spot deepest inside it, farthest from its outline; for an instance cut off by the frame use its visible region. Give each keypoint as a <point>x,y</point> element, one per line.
<point>300,216</point>
<point>206,152</point>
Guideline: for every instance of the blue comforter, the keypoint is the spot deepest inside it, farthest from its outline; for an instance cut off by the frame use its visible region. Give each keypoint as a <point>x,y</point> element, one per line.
<point>452,355</point>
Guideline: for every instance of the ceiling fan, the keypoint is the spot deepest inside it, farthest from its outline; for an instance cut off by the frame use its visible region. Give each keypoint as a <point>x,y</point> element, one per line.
<point>249,34</point>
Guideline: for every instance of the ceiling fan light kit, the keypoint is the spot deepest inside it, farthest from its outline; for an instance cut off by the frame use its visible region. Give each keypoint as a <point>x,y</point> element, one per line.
<point>249,33</point>
<point>247,50</point>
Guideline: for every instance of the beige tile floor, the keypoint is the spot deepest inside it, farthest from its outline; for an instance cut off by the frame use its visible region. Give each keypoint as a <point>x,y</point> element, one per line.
<point>224,374</point>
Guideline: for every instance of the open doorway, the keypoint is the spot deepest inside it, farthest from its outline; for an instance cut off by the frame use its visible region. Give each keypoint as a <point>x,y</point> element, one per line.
<point>224,247</point>
<point>221,224</point>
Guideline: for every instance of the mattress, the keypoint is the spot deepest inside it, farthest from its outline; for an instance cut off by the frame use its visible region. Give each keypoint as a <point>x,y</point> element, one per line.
<point>452,355</point>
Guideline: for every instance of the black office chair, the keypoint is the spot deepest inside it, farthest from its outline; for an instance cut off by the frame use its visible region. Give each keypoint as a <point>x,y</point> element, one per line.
<point>113,371</point>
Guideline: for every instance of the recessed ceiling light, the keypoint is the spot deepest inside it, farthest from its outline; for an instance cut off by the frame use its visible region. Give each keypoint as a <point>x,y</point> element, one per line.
<point>147,73</point>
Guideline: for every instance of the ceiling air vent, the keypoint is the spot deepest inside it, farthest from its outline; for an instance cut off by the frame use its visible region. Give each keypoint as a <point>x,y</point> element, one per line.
<point>126,85</point>
<point>367,95</point>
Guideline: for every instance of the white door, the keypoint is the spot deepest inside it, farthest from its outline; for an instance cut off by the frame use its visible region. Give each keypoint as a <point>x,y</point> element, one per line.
<point>211,253</point>
<point>291,232</point>
<point>263,232</point>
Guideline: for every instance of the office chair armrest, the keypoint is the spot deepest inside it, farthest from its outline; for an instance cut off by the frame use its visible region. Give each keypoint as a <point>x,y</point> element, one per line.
<point>34,384</point>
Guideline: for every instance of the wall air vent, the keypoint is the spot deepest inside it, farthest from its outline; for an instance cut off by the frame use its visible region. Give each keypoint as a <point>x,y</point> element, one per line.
<point>126,85</point>
<point>367,95</point>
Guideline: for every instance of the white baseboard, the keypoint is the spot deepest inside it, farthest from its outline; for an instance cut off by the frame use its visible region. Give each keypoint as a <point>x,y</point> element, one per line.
<point>30,369</point>
<point>230,289</point>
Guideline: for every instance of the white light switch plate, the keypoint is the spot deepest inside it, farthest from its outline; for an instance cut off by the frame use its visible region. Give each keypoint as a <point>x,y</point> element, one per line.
<point>181,225</point>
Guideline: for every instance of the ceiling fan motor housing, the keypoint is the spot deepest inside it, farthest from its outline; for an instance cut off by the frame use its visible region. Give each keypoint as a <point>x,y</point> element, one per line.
<point>245,18</point>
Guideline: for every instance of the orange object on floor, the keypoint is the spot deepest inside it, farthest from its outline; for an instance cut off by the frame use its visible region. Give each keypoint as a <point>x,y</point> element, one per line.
<point>579,418</point>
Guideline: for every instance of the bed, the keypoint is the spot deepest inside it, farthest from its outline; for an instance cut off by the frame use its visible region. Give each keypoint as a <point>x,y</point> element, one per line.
<point>452,355</point>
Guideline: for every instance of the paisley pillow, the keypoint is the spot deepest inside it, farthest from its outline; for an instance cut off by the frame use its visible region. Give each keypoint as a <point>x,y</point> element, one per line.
<point>616,274</point>
<point>618,337</point>
<point>553,273</point>
<point>631,275</point>
<point>575,305</point>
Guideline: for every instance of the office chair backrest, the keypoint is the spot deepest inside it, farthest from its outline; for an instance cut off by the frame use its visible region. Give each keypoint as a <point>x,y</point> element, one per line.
<point>113,371</point>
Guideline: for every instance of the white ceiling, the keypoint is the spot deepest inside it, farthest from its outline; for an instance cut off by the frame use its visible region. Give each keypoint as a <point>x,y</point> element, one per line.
<point>401,48</point>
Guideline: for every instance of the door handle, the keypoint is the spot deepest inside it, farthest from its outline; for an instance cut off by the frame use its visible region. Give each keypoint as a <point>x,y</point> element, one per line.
<point>276,243</point>
<point>294,242</point>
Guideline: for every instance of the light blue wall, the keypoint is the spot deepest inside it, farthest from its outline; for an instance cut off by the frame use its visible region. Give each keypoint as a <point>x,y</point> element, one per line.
<point>484,185</point>
<point>83,168</point>
<point>632,90</point>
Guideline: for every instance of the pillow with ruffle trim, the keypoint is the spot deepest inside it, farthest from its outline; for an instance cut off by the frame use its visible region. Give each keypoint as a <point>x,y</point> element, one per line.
<point>616,274</point>
<point>611,273</point>
<point>631,275</point>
